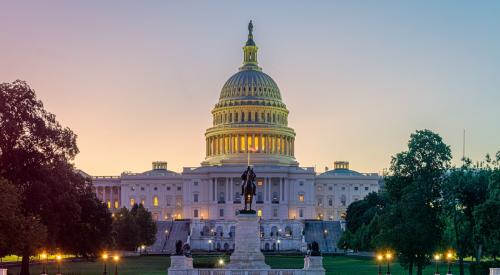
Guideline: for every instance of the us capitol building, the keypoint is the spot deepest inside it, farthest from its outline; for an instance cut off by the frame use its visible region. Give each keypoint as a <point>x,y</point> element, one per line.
<point>199,205</point>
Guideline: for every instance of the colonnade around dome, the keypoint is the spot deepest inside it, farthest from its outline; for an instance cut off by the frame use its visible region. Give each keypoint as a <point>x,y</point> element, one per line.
<point>254,143</point>
<point>254,115</point>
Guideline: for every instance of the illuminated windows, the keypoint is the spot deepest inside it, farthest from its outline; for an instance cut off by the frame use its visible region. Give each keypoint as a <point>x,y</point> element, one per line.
<point>256,143</point>
<point>263,144</point>
<point>117,204</point>
<point>132,202</point>
<point>259,212</point>
<point>155,201</point>
<point>109,204</point>
<point>249,138</point>
<point>301,197</point>
<point>242,144</point>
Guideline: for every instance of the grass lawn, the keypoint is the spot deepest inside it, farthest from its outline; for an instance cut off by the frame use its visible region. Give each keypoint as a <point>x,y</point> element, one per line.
<point>156,265</point>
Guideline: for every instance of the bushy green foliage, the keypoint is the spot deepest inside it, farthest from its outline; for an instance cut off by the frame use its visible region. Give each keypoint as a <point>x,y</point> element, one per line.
<point>133,228</point>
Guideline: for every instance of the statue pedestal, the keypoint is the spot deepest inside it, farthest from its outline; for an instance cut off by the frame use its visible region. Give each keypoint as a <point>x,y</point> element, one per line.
<point>247,254</point>
<point>180,265</point>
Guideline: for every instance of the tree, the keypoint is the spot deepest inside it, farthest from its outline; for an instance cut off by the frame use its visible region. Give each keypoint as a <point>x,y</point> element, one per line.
<point>12,220</point>
<point>146,224</point>
<point>35,156</point>
<point>487,216</point>
<point>464,189</point>
<point>362,221</point>
<point>125,231</point>
<point>487,226</point>
<point>411,225</point>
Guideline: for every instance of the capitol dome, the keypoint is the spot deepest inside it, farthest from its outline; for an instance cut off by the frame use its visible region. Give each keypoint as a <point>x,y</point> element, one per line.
<point>250,120</point>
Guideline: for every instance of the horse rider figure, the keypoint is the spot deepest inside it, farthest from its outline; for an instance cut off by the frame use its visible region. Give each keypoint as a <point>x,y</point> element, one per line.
<point>248,187</point>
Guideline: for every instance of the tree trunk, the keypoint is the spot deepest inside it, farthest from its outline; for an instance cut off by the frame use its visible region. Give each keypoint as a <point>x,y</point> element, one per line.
<point>410,268</point>
<point>419,269</point>
<point>479,252</point>
<point>461,263</point>
<point>25,264</point>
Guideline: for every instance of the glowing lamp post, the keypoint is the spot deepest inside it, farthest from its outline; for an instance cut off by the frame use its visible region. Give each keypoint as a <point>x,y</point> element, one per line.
<point>449,257</point>
<point>437,257</point>
<point>278,241</point>
<point>209,245</point>
<point>43,258</point>
<point>116,258</point>
<point>380,259</point>
<point>221,262</point>
<point>104,259</point>
<point>388,257</point>
<point>58,259</point>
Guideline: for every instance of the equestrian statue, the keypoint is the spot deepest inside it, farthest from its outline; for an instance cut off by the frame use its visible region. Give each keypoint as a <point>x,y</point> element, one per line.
<point>248,188</point>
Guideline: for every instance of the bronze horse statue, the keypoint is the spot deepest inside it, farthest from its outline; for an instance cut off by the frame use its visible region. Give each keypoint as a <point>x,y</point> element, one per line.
<point>248,187</point>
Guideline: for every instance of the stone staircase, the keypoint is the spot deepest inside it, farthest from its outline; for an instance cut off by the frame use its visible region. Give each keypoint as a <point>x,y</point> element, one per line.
<point>325,233</point>
<point>178,230</point>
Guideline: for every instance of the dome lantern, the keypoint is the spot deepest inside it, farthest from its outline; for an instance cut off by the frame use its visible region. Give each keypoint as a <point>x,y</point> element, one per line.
<point>250,52</point>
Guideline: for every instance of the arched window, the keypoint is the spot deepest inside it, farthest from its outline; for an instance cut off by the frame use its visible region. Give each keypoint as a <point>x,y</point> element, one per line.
<point>155,201</point>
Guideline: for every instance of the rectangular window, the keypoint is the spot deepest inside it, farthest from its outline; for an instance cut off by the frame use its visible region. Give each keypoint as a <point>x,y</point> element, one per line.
<point>256,143</point>
<point>330,202</point>
<point>195,183</point>
<point>259,213</point>
<point>263,143</point>
<point>301,213</point>
<point>155,201</point>
<point>195,213</point>
<point>132,202</point>
<point>117,205</point>
<point>356,188</point>
<point>275,212</point>
<point>366,188</point>
<point>242,144</point>
<point>221,212</point>
<point>195,197</point>
<point>301,197</point>
<point>109,204</point>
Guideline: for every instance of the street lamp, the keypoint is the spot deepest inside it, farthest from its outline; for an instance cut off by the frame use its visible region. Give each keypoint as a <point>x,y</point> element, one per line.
<point>380,259</point>
<point>278,241</point>
<point>221,262</point>
<point>104,259</point>
<point>436,259</point>
<point>43,257</point>
<point>388,257</point>
<point>116,258</point>
<point>58,259</point>
<point>449,257</point>
<point>209,245</point>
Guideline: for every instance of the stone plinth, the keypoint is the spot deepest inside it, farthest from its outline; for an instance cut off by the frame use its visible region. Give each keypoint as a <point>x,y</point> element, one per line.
<point>247,254</point>
<point>180,265</point>
<point>494,271</point>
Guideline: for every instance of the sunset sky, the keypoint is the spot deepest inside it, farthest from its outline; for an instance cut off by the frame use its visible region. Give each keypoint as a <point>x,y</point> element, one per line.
<point>136,80</point>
